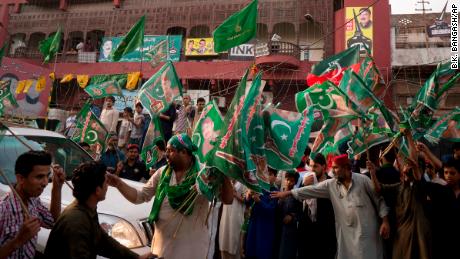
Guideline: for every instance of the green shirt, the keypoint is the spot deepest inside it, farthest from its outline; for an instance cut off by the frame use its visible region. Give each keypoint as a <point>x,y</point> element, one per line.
<point>77,234</point>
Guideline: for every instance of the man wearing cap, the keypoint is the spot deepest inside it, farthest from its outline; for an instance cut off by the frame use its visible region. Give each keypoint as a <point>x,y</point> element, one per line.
<point>356,207</point>
<point>133,168</point>
<point>179,211</point>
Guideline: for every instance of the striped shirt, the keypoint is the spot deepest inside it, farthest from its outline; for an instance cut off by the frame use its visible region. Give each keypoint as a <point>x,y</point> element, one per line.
<point>12,219</point>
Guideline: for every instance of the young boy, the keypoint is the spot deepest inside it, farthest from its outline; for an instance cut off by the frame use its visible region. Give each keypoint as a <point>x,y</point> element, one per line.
<point>291,210</point>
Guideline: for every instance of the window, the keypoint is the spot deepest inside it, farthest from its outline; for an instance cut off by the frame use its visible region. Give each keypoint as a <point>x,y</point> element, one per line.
<point>64,152</point>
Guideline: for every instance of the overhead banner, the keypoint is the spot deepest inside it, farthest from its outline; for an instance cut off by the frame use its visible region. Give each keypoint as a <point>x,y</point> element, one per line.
<point>360,30</point>
<point>199,47</point>
<point>156,48</point>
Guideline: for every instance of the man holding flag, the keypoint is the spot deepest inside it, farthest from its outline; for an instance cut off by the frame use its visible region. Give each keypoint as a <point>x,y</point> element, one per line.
<point>179,211</point>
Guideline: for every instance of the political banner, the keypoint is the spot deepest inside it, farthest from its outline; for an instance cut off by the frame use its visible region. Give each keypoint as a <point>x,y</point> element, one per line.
<point>155,49</point>
<point>199,47</point>
<point>360,30</point>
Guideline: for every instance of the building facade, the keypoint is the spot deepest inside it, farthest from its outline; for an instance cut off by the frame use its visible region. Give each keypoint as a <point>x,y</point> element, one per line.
<point>418,45</point>
<point>294,34</point>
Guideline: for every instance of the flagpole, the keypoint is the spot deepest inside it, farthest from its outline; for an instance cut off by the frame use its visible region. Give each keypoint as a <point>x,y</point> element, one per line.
<point>51,92</point>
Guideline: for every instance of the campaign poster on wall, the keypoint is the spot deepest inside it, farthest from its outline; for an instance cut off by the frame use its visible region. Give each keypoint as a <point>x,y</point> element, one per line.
<point>199,47</point>
<point>359,28</point>
<point>156,48</point>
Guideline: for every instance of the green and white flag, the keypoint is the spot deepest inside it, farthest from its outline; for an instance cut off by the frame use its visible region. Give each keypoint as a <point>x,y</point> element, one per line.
<point>101,86</point>
<point>332,67</point>
<point>239,28</point>
<point>7,99</point>
<point>157,94</point>
<point>428,97</point>
<point>50,46</point>
<point>229,155</point>
<point>287,136</point>
<point>447,127</point>
<point>207,129</point>
<point>133,40</point>
<point>90,130</point>
<point>371,76</point>
<point>325,95</point>
<point>253,135</point>
<point>154,134</point>
<point>334,121</point>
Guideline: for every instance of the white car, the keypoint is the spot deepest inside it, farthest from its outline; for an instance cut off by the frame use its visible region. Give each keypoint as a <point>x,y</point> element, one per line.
<point>124,221</point>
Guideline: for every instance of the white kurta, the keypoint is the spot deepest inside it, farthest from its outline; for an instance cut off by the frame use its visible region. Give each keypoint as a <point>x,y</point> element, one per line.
<point>230,223</point>
<point>193,236</point>
<point>356,216</point>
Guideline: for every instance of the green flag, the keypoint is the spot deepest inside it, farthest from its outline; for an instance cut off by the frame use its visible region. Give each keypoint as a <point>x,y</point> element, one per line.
<point>7,99</point>
<point>252,134</point>
<point>237,29</point>
<point>229,155</point>
<point>157,94</point>
<point>332,68</point>
<point>334,121</point>
<point>2,52</point>
<point>90,130</point>
<point>371,76</point>
<point>50,46</point>
<point>325,95</point>
<point>442,79</point>
<point>154,134</point>
<point>133,40</point>
<point>428,97</point>
<point>364,139</point>
<point>106,85</point>
<point>207,129</point>
<point>447,127</point>
<point>287,136</point>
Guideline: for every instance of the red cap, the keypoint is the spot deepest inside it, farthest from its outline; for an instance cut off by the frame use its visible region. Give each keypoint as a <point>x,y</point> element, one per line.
<point>341,160</point>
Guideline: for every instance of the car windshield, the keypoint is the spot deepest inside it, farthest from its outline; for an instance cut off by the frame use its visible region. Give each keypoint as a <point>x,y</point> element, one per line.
<point>65,153</point>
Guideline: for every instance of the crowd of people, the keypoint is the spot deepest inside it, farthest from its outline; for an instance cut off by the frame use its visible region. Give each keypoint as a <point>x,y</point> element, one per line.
<point>127,133</point>
<point>369,207</point>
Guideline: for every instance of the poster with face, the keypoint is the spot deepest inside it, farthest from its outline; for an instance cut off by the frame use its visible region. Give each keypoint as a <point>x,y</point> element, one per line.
<point>359,29</point>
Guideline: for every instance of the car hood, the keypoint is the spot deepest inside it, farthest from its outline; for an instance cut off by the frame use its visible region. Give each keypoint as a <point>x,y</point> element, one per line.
<point>114,204</point>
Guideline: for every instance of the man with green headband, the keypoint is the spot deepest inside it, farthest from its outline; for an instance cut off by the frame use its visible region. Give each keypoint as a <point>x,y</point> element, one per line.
<point>179,211</point>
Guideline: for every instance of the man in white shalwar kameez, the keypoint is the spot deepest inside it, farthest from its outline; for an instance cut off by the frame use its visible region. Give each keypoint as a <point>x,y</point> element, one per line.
<point>356,208</point>
<point>180,229</point>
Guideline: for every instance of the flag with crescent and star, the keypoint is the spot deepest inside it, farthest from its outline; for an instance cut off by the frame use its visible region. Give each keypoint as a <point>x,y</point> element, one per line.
<point>364,138</point>
<point>287,136</point>
<point>207,129</point>
<point>325,95</point>
<point>157,94</point>
<point>7,99</point>
<point>332,68</point>
<point>101,86</point>
<point>447,127</point>
<point>154,134</point>
<point>253,134</point>
<point>89,129</point>
<point>229,155</point>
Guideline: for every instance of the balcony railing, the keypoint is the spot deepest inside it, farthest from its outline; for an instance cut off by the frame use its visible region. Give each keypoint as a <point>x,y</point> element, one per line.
<point>277,48</point>
<point>67,57</point>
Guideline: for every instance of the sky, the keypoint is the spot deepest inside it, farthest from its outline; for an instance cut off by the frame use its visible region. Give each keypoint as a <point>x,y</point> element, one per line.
<point>408,6</point>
